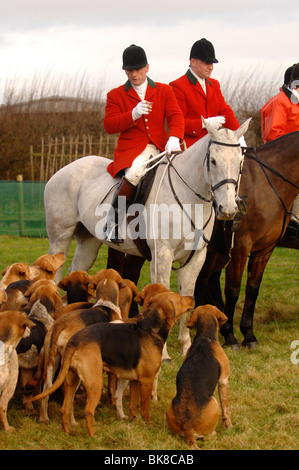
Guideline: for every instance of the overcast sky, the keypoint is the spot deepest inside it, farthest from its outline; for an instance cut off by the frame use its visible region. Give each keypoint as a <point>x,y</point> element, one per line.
<point>71,38</point>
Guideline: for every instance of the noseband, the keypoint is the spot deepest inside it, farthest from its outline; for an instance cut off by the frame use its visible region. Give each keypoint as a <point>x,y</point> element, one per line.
<point>225,181</point>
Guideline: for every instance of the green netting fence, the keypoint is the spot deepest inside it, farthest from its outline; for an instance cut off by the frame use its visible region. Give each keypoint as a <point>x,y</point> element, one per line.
<point>22,208</point>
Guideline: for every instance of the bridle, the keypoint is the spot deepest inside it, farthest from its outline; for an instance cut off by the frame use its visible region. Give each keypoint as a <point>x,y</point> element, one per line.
<point>208,159</point>
<point>212,188</point>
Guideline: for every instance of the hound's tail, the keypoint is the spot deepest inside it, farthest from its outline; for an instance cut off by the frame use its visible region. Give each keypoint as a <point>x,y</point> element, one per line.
<point>57,329</point>
<point>66,361</point>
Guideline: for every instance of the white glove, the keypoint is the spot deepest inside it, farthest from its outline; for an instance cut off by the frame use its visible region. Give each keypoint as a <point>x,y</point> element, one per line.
<point>139,110</point>
<point>242,141</point>
<point>216,121</point>
<point>172,145</point>
<point>296,94</point>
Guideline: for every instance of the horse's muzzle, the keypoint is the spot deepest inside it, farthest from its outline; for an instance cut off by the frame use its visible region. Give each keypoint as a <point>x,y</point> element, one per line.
<point>223,214</point>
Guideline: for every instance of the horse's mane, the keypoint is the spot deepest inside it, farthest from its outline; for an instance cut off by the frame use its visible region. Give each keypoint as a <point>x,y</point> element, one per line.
<point>280,142</point>
<point>197,144</point>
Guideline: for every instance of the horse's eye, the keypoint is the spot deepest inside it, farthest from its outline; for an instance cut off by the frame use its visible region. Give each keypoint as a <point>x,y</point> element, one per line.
<point>213,161</point>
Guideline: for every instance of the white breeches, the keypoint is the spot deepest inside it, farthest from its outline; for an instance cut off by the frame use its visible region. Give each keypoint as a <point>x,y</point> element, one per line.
<point>136,171</point>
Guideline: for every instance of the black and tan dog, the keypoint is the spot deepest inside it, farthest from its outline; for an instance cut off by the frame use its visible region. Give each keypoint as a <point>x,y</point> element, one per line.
<point>75,284</point>
<point>113,300</point>
<point>194,411</point>
<point>131,351</point>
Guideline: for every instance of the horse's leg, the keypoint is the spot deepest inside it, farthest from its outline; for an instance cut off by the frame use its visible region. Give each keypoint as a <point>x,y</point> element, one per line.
<point>214,291</point>
<point>233,278</point>
<point>60,242</point>
<point>86,252</point>
<point>256,268</point>
<point>202,281</point>
<point>133,266</point>
<point>116,260</point>
<point>129,267</point>
<point>186,283</point>
<point>207,287</point>
<point>160,269</point>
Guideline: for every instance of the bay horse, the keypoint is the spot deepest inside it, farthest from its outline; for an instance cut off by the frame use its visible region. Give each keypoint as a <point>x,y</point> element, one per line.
<point>78,197</point>
<point>270,178</point>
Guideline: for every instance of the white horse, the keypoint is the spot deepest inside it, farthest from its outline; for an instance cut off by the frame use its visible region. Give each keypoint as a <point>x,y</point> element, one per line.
<point>182,190</point>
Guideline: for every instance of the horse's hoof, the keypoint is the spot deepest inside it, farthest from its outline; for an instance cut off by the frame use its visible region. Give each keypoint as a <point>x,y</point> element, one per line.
<point>250,344</point>
<point>233,346</point>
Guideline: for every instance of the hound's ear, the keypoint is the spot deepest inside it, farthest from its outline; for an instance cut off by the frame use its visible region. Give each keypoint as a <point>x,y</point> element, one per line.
<point>139,298</point>
<point>221,318</point>
<point>122,284</point>
<point>193,319</point>
<point>63,283</point>
<point>131,285</point>
<point>5,270</point>
<point>195,314</point>
<point>47,266</point>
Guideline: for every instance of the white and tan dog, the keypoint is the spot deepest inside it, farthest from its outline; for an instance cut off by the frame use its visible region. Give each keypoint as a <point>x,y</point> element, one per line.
<point>14,325</point>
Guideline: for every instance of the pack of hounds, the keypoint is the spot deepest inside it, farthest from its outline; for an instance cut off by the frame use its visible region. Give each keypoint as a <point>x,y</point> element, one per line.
<point>100,324</point>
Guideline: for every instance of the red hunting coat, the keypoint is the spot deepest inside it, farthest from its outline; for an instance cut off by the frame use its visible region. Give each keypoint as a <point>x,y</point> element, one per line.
<point>194,103</point>
<point>150,128</point>
<point>279,116</point>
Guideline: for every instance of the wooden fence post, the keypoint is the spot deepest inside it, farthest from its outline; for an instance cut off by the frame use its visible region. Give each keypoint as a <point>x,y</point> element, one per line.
<point>21,205</point>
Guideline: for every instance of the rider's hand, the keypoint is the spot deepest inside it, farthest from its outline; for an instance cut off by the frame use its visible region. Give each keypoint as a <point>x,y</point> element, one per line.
<point>143,107</point>
<point>172,145</point>
<point>216,121</point>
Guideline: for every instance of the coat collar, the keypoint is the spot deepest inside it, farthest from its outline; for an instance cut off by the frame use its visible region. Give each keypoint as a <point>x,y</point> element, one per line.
<point>150,82</point>
<point>193,79</point>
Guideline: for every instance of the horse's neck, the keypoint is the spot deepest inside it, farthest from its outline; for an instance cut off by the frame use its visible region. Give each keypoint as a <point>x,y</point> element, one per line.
<point>283,155</point>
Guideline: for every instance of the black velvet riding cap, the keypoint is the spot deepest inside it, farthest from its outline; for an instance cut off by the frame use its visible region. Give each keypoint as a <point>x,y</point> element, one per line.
<point>134,58</point>
<point>203,50</point>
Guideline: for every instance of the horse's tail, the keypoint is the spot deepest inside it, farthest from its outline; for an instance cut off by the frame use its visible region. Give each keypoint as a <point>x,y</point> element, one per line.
<point>66,361</point>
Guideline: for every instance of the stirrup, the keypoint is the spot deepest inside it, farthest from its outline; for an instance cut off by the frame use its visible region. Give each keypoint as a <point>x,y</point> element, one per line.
<point>113,236</point>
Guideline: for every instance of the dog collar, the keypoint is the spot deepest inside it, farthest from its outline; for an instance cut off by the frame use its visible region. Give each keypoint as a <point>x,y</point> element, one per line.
<point>107,303</point>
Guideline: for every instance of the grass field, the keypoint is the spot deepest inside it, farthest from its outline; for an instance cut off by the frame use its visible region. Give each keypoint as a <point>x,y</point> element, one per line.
<point>264,391</point>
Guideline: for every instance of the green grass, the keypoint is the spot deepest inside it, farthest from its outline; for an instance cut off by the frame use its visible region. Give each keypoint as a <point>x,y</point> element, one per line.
<point>264,392</point>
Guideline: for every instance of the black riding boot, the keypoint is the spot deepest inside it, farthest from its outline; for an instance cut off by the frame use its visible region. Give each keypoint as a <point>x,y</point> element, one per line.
<point>125,189</point>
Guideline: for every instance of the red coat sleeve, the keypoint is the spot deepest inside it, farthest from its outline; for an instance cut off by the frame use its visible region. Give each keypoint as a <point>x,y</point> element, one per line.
<point>273,119</point>
<point>117,117</point>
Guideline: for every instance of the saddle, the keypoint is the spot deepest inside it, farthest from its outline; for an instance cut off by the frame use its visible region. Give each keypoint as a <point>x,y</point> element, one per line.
<point>140,196</point>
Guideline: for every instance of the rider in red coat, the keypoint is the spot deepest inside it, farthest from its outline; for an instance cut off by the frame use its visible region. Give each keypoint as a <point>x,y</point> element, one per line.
<point>280,115</point>
<point>137,111</point>
<point>150,128</point>
<point>198,95</point>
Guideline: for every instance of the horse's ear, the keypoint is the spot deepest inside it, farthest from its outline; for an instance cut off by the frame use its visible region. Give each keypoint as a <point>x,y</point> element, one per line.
<point>243,128</point>
<point>211,130</point>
